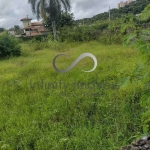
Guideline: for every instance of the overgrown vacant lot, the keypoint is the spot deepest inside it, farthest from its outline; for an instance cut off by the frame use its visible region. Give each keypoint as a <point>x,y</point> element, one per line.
<point>37,114</point>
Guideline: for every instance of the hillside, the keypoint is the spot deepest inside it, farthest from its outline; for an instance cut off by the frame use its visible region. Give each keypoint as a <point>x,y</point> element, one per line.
<point>135,7</point>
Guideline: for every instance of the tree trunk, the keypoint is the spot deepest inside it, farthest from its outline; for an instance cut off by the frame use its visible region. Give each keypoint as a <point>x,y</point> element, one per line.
<point>54,29</point>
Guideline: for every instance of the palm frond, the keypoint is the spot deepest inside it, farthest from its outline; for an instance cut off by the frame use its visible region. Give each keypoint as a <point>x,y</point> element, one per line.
<point>33,4</point>
<point>38,10</point>
<point>52,8</point>
<point>66,4</point>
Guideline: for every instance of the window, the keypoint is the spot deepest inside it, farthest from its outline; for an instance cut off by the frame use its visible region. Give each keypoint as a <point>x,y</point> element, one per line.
<point>27,29</point>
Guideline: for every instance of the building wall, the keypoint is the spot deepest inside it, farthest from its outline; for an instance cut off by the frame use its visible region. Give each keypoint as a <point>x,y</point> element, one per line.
<point>26,23</point>
<point>126,3</point>
<point>34,31</point>
<point>122,4</point>
<point>28,32</point>
<point>129,1</point>
<point>12,32</point>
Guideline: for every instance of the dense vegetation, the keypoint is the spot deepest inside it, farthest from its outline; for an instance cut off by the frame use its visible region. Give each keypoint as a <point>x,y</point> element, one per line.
<point>109,108</point>
<point>135,7</point>
<point>102,117</point>
<point>1,30</point>
<point>9,46</point>
<point>51,9</point>
<point>65,19</point>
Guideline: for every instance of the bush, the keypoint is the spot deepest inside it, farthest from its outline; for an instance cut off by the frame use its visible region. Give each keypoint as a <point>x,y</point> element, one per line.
<point>38,44</point>
<point>76,34</point>
<point>104,33</point>
<point>9,46</point>
<point>140,41</point>
<point>110,38</point>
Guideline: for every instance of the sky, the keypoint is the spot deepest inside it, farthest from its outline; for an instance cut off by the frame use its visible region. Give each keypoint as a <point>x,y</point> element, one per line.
<point>12,11</point>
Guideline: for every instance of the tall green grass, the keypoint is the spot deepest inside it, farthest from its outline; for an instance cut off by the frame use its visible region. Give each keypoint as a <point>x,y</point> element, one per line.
<point>39,118</point>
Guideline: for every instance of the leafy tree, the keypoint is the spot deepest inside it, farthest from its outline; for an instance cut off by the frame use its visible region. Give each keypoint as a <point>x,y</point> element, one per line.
<point>145,15</point>
<point>50,8</point>
<point>9,46</point>
<point>2,29</point>
<point>140,41</point>
<point>16,28</point>
<point>135,7</point>
<point>66,19</point>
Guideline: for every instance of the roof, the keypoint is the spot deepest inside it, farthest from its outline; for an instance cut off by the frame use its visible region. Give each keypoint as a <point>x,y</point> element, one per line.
<point>42,29</point>
<point>30,27</point>
<point>24,19</point>
<point>36,24</point>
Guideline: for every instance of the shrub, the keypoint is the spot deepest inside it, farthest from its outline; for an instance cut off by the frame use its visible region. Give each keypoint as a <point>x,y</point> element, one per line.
<point>105,33</point>
<point>76,34</point>
<point>110,38</point>
<point>140,41</point>
<point>38,44</point>
<point>9,46</point>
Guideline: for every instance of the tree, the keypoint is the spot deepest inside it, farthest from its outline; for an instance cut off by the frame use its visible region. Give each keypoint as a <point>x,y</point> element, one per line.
<point>16,28</point>
<point>135,7</point>
<point>2,30</point>
<point>49,8</point>
<point>66,19</point>
<point>145,15</point>
<point>9,45</point>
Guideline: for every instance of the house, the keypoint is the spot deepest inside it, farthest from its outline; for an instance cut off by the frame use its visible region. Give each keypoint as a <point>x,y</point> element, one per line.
<point>33,29</point>
<point>122,4</point>
<point>16,33</point>
<point>11,31</point>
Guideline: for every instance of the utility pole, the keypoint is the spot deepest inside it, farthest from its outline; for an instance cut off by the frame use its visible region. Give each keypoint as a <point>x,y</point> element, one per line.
<point>109,13</point>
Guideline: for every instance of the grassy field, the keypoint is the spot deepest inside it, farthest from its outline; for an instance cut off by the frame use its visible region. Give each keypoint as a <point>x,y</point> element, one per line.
<point>36,113</point>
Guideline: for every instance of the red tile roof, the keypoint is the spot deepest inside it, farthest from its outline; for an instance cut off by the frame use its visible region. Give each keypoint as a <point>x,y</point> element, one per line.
<point>36,24</point>
<point>30,27</point>
<point>24,19</point>
<point>42,29</point>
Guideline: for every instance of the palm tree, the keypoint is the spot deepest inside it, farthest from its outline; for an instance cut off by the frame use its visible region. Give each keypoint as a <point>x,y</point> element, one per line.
<point>50,8</point>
